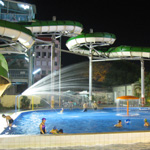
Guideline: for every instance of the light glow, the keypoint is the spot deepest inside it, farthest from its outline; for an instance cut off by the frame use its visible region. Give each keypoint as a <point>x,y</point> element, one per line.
<point>36,71</point>
<point>24,6</point>
<point>1,3</point>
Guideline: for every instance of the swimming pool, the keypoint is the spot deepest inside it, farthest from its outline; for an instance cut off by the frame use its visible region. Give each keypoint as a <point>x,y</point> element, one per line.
<point>77,121</point>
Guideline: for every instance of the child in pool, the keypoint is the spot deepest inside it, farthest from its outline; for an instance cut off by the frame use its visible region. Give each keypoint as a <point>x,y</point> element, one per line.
<point>62,110</point>
<point>146,124</point>
<point>54,130</point>
<point>119,124</point>
<point>42,126</point>
<point>9,121</point>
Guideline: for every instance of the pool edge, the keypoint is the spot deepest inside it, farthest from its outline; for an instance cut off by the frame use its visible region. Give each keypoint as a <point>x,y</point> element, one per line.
<point>71,140</point>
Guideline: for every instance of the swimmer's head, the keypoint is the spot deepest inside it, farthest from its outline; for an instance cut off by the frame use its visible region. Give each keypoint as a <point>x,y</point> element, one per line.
<point>54,127</point>
<point>43,119</point>
<point>145,120</point>
<point>119,121</point>
<point>3,116</point>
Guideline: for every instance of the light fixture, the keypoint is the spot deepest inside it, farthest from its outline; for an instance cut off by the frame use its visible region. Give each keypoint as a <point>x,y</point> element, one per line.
<point>24,6</point>
<point>1,3</point>
<point>27,59</point>
<point>36,71</point>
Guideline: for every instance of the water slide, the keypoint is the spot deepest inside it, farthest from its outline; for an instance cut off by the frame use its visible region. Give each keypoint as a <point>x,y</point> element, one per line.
<point>80,44</point>
<point>22,36</point>
<point>18,38</point>
<point>68,28</point>
<point>16,34</point>
<point>14,39</point>
<point>4,81</point>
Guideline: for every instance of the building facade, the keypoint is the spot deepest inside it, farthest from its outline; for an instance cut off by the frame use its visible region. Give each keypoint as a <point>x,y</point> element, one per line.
<point>42,60</point>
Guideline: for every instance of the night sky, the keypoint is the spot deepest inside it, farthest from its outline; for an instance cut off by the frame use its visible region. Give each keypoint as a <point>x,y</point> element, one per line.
<point>128,20</point>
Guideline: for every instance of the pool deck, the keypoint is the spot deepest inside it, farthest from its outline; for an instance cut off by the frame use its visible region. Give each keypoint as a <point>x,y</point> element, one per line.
<point>71,140</point>
<point>3,123</point>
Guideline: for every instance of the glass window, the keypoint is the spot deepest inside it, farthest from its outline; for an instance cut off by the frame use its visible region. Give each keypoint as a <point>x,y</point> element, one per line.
<point>49,63</point>
<point>44,63</point>
<point>38,63</point>
<point>49,55</point>
<point>43,72</point>
<point>43,54</point>
<point>38,54</point>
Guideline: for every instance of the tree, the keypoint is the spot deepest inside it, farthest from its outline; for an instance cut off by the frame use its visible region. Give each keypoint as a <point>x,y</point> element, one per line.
<point>137,86</point>
<point>25,102</point>
<point>122,72</point>
<point>99,70</point>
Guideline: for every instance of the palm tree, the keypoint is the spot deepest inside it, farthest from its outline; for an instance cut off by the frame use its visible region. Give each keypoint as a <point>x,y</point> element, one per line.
<point>137,88</point>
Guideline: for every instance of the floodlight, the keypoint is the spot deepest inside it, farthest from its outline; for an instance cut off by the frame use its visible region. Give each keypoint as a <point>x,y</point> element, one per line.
<point>24,6</point>
<point>27,59</point>
<point>1,3</point>
<point>36,71</point>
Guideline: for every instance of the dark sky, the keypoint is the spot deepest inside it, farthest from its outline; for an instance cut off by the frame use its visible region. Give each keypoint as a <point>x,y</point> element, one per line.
<point>128,20</point>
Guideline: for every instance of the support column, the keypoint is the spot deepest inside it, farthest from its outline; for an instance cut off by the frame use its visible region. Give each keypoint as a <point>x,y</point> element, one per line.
<point>30,68</point>
<point>90,75</point>
<point>127,107</point>
<point>142,83</point>
<point>52,66</point>
<point>60,73</point>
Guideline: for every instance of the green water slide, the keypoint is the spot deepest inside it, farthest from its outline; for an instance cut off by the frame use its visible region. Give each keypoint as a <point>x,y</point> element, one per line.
<point>4,81</point>
<point>16,34</point>
<point>19,37</point>
<point>129,51</point>
<point>68,28</point>
<point>80,44</point>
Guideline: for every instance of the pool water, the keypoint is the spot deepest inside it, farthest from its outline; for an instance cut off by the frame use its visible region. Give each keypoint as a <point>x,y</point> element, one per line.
<point>77,121</point>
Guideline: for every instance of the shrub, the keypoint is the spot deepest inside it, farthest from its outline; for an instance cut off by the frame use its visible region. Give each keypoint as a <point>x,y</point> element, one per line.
<point>25,102</point>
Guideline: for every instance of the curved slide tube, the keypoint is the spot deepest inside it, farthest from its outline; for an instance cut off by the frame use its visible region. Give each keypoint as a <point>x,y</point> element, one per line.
<point>77,44</point>
<point>4,81</point>
<point>99,38</point>
<point>66,27</point>
<point>22,32</point>
<point>16,32</point>
<point>129,51</point>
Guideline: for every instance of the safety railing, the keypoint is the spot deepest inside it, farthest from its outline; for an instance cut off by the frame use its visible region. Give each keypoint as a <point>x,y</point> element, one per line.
<point>18,73</point>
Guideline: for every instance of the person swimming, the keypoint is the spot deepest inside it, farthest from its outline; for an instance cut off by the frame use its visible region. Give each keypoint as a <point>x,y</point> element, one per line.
<point>119,124</point>
<point>95,106</point>
<point>85,107</point>
<point>146,124</point>
<point>62,110</point>
<point>60,131</point>
<point>42,126</point>
<point>9,121</point>
<point>54,130</point>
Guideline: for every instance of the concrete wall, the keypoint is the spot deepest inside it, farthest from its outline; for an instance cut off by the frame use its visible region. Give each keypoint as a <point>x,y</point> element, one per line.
<point>123,90</point>
<point>9,100</point>
<point>104,97</point>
